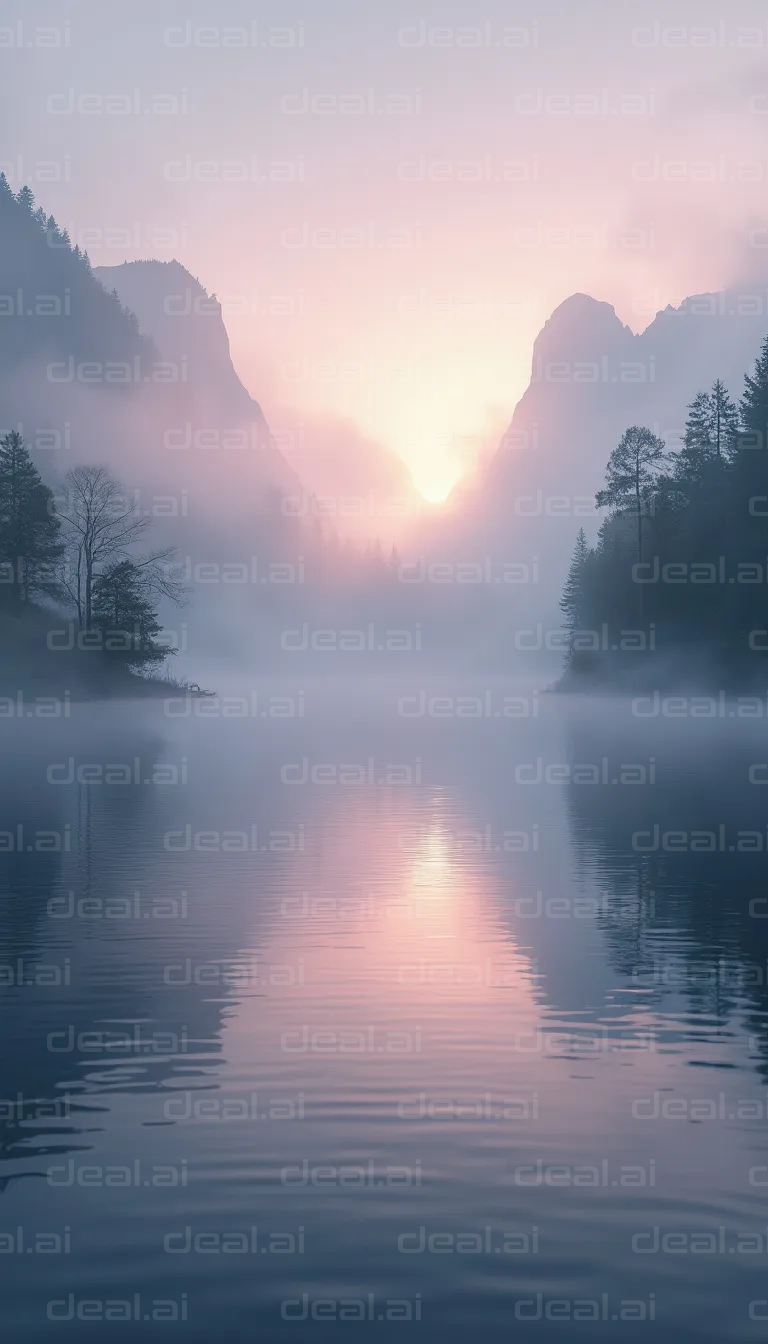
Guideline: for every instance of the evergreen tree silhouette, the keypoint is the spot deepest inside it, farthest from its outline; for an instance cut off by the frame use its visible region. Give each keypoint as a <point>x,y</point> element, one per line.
<point>29,528</point>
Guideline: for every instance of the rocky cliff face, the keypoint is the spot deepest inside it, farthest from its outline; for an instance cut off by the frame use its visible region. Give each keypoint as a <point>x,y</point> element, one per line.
<point>591,378</point>
<point>185,323</point>
<point>129,366</point>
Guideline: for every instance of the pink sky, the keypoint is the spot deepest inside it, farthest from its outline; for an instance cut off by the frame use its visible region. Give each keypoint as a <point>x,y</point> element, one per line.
<point>423,183</point>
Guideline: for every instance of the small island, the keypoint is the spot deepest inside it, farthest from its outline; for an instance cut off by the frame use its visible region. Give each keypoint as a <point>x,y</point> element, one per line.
<point>78,602</point>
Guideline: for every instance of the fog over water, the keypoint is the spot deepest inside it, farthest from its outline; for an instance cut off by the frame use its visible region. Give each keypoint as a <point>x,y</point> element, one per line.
<point>383,672</point>
<point>455,1011</point>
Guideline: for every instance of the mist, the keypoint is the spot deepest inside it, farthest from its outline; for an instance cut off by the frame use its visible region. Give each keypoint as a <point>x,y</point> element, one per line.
<point>383,640</point>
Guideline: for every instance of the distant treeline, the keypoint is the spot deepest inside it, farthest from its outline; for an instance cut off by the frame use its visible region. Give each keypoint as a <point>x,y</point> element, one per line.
<point>678,580</point>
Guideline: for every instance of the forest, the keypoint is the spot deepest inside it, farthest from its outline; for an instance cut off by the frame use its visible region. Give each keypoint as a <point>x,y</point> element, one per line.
<point>677,583</point>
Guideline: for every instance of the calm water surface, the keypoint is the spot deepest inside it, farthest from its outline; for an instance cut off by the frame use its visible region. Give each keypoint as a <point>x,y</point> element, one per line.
<point>373,1025</point>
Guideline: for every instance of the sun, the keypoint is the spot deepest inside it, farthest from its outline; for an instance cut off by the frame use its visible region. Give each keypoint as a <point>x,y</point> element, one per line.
<point>436,486</point>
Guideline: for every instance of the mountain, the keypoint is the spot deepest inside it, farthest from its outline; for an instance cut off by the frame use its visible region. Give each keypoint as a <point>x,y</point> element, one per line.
<point>185,324</point>
<point>591,378</point>
<point>219,433</point>
<point>129,366</point>
<point>365,487</point>
<point>53,306</point>
<point>61,333</point>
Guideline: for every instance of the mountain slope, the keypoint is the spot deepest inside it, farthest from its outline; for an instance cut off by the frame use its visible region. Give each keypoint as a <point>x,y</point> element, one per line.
<point>185,323</point>
<point>52,303</point>
<point>591,378</point>
<point>124,376</point>
<point>178,314</point>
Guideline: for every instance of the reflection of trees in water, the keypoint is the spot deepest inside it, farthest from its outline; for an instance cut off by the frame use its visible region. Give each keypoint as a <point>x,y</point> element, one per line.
<point>677,919</point>
<point>97,860</point>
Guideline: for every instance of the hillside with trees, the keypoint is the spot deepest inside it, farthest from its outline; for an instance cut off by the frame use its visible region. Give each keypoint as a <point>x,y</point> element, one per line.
<point>54,306</point>
<point>76,567</point>
<point>677,584</point>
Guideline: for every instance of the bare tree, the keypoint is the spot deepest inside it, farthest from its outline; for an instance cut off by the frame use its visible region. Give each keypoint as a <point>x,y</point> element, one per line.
<point>155,577</point>
<point>99,528</point>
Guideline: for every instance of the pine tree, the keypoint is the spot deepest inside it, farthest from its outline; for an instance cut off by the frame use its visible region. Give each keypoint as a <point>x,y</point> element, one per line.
<point>703,522</point>
<point>710,436</point>
<point>126,617</point>
<point>725,421</point>
<point>749,459</point>
<point>29,528</point>
<point>754,404</point>
<point>572,600</point>
<point>26,199</point>
<point>697,444</point>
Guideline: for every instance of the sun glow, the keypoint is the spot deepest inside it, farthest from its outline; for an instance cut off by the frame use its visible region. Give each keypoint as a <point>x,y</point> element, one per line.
<point>435,485</point>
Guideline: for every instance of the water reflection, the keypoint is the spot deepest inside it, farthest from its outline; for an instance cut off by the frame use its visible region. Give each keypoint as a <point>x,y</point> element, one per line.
<point>462,1044</point>
<point>689,859</point>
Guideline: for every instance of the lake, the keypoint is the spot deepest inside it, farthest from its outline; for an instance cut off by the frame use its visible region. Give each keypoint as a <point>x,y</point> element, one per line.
<point>340,1011</point>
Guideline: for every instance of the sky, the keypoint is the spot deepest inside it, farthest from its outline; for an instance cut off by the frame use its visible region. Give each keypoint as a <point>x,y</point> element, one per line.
<point>389,200</point>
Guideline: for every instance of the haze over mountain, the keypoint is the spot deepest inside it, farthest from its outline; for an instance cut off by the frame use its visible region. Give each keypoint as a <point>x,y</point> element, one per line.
<point>60,330</point>
<point>363,488</point>
<point>185,323</point>
<point>130,379</point>
<point>591,378</point>
<point>367,790</point>
<point>131,365</point>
